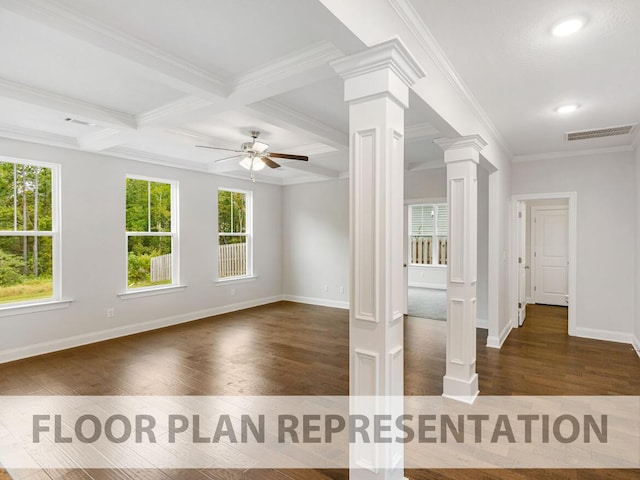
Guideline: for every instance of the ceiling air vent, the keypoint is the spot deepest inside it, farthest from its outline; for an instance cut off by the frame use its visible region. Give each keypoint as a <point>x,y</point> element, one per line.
<point>600,132</point>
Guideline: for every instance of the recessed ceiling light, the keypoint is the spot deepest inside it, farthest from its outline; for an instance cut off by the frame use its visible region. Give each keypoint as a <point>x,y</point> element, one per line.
<point>567,27</point>
<point>567,108</point>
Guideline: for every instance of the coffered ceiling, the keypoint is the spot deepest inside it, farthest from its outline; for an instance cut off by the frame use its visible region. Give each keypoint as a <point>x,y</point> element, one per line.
<point>149,79</point>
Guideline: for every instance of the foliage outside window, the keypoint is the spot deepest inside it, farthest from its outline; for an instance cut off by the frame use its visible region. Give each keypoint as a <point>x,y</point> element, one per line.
<point>151,232</point>
<point>428,234</point>
<point>28,231</point>
<point>234,233</point>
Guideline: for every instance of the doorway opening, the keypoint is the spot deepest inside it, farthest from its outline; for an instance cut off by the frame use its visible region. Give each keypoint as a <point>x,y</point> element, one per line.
<point>544,262</point>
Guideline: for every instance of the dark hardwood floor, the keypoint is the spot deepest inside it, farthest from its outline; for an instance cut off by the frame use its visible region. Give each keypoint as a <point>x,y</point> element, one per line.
<point>293,349</point>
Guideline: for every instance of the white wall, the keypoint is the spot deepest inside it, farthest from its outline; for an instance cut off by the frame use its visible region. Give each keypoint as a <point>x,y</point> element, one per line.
<point>316,242</point>
<point>606,248</point>
<point>428,276</point>
<point>637,311</point>
<point>93,253</point>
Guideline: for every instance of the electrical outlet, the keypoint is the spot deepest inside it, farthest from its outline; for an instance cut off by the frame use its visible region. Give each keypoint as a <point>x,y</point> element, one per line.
<point>341,289</point>
<point>111,312</point>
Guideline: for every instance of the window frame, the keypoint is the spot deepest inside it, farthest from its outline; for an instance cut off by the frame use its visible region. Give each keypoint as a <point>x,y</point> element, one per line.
<point>435,237</point>
<point>175,240</point>
<point>249,274</point>
<point>54,233</point>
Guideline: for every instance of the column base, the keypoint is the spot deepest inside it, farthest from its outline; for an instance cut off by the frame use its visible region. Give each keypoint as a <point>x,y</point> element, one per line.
<point>461,390</point>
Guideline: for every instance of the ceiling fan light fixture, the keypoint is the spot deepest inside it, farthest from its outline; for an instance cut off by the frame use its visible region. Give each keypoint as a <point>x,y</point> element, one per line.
<point>253,164</point>
<point>260,147</point>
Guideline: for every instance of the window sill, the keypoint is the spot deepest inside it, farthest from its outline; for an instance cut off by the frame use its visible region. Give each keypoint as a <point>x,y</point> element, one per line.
<point>234,280</point>
<point>150,292</point>
<point>424,265</point>
<point>35,307</point>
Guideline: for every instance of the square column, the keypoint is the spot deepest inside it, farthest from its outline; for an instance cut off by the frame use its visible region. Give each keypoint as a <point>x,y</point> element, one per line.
<point>462,155</point>
<point>377,85</point>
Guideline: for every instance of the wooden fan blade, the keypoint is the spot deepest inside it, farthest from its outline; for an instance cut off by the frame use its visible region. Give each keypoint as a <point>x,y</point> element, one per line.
<point>227,158</point>
<point>270,163</point>
<point>304,158</point>
<point>219,148</point>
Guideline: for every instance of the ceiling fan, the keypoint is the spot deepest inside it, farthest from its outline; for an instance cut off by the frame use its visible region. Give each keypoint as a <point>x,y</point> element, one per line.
<point>255,155</point>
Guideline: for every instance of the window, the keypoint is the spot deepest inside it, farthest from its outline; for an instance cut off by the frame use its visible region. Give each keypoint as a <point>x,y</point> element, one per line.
<point>29,235</point>
<point>234,233</point>
<point>151,232</point>
<point>428,230</point>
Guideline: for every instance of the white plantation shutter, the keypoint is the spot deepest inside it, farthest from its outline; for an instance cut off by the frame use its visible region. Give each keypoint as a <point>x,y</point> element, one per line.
<point>422,220</point>
<point>443,221</point>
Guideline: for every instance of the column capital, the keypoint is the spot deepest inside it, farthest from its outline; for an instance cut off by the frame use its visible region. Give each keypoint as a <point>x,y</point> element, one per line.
<point>387,68</point>
<point>462,148</point>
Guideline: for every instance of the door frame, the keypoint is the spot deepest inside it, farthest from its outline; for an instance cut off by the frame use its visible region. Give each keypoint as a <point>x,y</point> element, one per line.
<point>572,197</point>
<point>534,240</point>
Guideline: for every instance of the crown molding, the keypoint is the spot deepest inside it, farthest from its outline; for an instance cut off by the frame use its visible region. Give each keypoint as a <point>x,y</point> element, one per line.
<point>301,61</point>
<point>157,159</point>
<point>174,71</point>
<point>572,153</point>
<point>470,141</point>
<point>391,54</point>
<point>70,106</point>
<point>36,136</point>
<point>166,113</point>
<point>411,18</point>
<point>286,117</point>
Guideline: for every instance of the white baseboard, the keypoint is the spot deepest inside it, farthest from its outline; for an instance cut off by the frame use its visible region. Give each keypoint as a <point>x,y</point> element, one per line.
<point>109,334</point>
<point>636,344</point>
<point>496,342</point>
<point>607,335</point>
<point>482,323</point>
<point>323,302</point>
<point>436,286</point>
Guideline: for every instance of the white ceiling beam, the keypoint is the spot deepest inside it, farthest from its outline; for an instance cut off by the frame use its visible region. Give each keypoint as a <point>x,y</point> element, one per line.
<point>297,69</point>
<point>172,113</point>
<point>36,136</point>
<point>104,139</point>
<point>420,131</point>
<point>173,71</point>
<point>288,118</point>
<point>71,107</point>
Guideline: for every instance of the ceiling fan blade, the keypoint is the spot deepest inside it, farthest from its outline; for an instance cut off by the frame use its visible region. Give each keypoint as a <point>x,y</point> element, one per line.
<point>288,156</point>
<point>270,163</point>
<point>220,148</point>
<point>227,158</point>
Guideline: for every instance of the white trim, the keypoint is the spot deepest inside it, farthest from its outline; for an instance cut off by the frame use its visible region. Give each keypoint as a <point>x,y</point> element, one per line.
<point>103,335</point>
<point>422,201</point>
<point>482,323</point>
<point>573,253</point>
<point>635,342</point>
<point>435,286</point>
<point>571,153</point>
<point>323,302</point>
<point>606,335</point>
<point>33,307</point>
<point>151,292</point>
<point>497,342</point>
<point>219,282</point>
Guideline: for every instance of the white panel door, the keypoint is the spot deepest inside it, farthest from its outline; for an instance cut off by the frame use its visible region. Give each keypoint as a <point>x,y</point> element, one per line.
<point>550,252</point>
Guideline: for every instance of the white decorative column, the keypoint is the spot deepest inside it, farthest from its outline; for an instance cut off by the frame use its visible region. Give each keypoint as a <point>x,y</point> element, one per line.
<point>377,85</point>
<point>462,155</point>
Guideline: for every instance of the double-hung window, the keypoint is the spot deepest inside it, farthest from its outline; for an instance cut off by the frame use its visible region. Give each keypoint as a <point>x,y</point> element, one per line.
<point>151,230</point>
<point>428,234</point>
<point>234,234</point>
<point>29,231</point>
